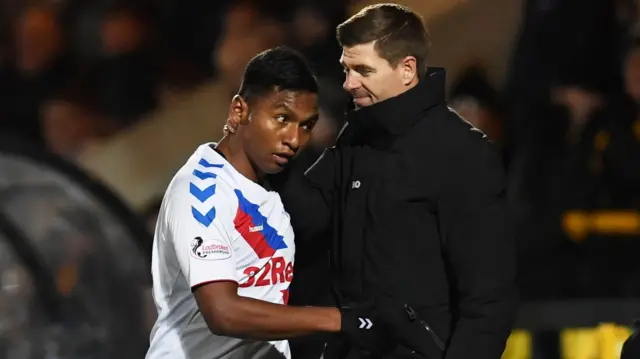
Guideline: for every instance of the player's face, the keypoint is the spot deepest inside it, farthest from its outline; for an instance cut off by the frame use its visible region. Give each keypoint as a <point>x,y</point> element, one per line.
<point>279,125</point>
<point>370,79</point>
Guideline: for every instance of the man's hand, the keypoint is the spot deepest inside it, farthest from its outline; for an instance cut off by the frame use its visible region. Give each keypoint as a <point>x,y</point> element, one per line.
<point>359,324</point>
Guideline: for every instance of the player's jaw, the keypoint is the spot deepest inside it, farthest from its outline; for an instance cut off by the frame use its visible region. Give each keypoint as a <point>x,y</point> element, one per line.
<point>282,158</point>
<point>268,160</point>
<point>275,160</point>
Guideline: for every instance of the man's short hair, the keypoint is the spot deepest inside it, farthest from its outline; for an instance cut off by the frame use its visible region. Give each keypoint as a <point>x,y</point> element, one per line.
<point>278,69</point>
<point>397,31</point>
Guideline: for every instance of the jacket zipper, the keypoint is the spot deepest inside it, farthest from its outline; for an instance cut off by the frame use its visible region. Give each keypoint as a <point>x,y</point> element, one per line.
<point>413,316</point>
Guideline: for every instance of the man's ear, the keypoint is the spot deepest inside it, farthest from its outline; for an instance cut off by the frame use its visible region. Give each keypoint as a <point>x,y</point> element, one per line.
<point>238,111</point>
<point>409,68</point>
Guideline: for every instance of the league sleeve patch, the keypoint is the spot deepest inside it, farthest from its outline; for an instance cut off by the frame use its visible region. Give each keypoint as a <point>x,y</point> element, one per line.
<point>210,249</point>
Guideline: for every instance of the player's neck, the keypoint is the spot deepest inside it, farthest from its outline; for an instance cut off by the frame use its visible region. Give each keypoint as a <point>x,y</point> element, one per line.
<point>235,155</point>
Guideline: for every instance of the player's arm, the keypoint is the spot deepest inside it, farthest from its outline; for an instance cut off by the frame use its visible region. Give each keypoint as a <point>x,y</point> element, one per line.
<point>229,314</point>
<point>206,256</point>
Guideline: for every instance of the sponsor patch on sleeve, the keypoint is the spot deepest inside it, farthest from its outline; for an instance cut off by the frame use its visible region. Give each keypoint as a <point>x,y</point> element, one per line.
<point>210,249</point>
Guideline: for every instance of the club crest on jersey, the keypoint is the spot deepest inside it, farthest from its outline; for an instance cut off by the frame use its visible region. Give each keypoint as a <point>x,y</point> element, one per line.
<point>210,249</point>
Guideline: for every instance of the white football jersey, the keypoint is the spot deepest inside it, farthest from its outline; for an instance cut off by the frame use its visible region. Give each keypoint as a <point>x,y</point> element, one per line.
<point>216,225</point>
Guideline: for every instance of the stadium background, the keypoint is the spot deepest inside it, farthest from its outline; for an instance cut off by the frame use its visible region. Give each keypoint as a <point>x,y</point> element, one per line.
<point>102,100</point>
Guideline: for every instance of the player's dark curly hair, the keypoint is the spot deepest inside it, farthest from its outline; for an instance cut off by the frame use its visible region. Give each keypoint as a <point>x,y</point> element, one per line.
<point>279,69</point>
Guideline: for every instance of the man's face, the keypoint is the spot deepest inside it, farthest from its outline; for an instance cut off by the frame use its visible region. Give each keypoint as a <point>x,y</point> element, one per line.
<point>279,125</point>
<point>370,78</point>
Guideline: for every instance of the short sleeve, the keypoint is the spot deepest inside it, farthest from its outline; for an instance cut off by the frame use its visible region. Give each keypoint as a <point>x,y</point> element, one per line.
<point>201,241</point>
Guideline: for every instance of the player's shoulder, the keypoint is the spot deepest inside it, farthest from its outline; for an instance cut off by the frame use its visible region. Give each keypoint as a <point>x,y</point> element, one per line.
<point>202,185</point>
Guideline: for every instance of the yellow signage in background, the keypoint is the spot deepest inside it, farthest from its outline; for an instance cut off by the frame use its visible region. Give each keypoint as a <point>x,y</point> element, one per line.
<point>518,345</point>
<point>579,343</point>
<point>602,342</point>
<point>611,338</point>
<point>579,224</point>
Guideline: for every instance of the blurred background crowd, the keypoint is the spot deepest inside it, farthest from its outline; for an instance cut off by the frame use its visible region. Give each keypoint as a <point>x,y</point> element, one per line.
<point>124,90</point>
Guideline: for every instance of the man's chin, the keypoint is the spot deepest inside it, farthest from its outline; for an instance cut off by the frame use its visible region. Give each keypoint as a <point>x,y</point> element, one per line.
<point>275,169</point>
<point>362,102</point>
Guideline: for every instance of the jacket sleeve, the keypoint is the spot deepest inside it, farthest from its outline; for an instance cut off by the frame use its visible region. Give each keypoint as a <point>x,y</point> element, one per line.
<point>479,248</point>
<point>308,196</point>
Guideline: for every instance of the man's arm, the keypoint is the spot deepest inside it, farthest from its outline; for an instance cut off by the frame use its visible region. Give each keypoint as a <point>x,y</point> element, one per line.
<point>229,314</point>
<point>480,247</point>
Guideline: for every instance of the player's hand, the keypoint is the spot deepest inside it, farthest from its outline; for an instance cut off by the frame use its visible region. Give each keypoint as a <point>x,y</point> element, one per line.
<point>361,327</point>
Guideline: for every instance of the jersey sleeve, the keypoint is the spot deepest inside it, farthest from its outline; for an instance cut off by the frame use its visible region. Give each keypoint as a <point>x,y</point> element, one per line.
<point>202,241</point>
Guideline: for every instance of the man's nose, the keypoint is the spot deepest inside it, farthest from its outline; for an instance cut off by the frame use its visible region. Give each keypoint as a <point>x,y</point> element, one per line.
<point>351,83</point>
<point>292,137</point>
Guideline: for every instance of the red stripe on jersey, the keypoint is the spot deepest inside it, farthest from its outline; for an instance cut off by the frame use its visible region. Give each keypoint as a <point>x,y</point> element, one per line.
<point>285,295</point>
<point>243,223</point>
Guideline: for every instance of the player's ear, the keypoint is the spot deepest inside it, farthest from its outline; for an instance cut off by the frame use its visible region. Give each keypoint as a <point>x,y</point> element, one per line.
<point>238,111</point>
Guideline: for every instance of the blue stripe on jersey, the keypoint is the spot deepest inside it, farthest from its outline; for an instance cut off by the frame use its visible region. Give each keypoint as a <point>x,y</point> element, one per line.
<point>271,236</point>
<point>204,194</point>
<point>206,164</point>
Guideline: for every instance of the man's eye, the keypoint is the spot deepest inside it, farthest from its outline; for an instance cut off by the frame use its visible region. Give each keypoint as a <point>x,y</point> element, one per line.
<point>281,118</point>
<point>308,126</point>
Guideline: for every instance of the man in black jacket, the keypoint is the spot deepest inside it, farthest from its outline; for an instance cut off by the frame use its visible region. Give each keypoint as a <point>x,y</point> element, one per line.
<point>414,198</point>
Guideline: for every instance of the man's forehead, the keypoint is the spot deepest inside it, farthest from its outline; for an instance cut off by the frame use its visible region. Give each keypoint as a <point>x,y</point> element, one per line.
<point>350,52</point>
<point>359,53</point>
<point>288,97</point>
<point>291,100</point>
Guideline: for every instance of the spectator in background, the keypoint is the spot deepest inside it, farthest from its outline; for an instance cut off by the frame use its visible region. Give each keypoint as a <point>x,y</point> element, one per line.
<point>607,147</point>
<point>561,42</point>
<point>475,99</point>
<point>190,31</point>
<point>37,69</point>
<point>246,32</point>
<point>127,74</point>
<point>312,31</point>
<point>71,121</point>
<point>589,162</point>
<point>98,100</point>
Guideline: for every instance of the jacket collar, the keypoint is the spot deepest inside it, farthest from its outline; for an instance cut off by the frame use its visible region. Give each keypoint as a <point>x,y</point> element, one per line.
<point>395,116</point>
